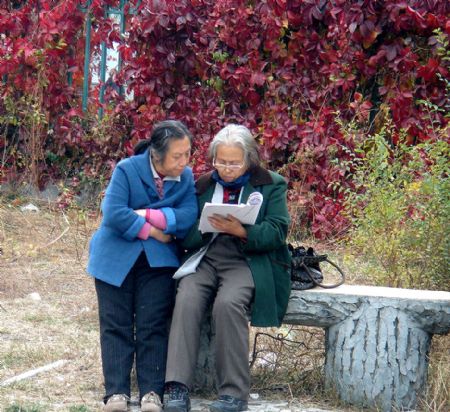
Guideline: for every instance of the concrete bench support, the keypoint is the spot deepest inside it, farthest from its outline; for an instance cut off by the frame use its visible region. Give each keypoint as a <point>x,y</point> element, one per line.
<point>377,339</point>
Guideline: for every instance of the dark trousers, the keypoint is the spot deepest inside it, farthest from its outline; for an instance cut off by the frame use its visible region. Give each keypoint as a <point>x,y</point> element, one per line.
<point>134,322</point>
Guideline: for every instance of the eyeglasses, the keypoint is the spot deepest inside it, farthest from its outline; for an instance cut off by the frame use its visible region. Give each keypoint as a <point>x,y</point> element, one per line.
<point>228,166</point>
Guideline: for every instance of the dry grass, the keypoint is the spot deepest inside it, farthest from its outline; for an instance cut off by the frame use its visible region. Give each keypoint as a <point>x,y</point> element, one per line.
<point>46,253</point>
<point>437,396</point>
<point>62,325</point>
<point>288,361</point>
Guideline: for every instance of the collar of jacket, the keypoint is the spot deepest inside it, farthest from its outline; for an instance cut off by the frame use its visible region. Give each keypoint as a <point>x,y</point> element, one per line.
<point>141,162</point>
<point>258,176</point>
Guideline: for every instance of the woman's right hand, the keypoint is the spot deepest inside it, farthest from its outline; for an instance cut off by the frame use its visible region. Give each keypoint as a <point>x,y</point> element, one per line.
<point>160,235</point>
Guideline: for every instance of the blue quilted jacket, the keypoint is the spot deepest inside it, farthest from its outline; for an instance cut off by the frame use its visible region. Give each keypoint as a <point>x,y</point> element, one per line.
<point>114,247</point>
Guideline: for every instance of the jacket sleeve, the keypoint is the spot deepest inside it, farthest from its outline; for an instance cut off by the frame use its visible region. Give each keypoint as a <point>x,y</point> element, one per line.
<point>195,239</point>
<point>183,215</point>
<point>270,233</point>
<point>116,213</point>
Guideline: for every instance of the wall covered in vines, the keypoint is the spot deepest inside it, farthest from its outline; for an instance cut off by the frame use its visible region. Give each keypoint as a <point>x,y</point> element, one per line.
<point>308,77</point>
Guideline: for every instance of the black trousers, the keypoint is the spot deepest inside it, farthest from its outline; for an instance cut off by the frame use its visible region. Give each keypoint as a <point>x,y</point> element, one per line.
<point>134,323</point>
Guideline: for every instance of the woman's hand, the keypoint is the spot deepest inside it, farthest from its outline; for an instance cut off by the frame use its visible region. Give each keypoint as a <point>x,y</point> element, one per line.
<point>229,225</point>
<point>160,235</point>
<point>141,212</point>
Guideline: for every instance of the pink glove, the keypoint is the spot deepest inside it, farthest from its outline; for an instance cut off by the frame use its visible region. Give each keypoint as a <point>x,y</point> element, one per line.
<point>144,233</point>
<point>156,218</point>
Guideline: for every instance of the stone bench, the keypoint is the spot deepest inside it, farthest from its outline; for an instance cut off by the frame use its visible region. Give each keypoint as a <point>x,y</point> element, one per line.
<point>377,340</point>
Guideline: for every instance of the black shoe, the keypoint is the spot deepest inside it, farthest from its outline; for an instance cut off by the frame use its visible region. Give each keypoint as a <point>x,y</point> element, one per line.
<point>227,403</point>
<point>178,398</point>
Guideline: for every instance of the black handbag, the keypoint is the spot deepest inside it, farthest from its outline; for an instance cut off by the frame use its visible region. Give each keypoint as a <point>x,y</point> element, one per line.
<point>305,269</point>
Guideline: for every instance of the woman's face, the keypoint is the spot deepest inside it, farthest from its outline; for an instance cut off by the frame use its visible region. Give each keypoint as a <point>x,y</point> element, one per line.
<point>177,158</point>
<point>229,162</point>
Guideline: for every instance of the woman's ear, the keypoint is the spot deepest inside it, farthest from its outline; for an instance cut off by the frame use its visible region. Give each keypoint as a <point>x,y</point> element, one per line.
<point>155,158</point>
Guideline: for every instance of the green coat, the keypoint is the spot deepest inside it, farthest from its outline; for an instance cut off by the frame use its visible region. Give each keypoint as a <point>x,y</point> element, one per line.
<point>265,248</point>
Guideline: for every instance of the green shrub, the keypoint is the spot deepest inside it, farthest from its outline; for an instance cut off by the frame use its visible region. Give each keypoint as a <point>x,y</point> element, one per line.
<point>80,408</point>
<point>400,211</point>
<point>21,408</point>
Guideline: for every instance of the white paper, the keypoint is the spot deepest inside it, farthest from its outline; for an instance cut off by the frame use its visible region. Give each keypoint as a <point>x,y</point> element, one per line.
<point>190,266</point>
<point>246,213</point>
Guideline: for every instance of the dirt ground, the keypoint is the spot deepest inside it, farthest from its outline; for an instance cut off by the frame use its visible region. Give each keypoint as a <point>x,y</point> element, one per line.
<point>48,310</point>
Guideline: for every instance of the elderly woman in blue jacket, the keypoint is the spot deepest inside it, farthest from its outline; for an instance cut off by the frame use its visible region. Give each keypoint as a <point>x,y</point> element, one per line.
<point>150,201</point>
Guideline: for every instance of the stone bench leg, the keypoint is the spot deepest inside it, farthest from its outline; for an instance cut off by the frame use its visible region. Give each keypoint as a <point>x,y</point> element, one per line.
<point>377,339</point>
<point>205,372</point>
<point>377,357</point>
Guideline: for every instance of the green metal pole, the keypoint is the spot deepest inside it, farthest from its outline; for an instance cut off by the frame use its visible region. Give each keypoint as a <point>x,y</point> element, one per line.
<point>69,74</point>
<point>87,59</point>
<point>122,31</point>
<point>102,78</point>
<point>134,10</point>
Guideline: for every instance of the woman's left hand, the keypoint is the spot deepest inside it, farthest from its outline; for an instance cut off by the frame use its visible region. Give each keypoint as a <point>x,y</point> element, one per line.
<point>228,224</point>
<point>141,212</point>
<point>160,235</point>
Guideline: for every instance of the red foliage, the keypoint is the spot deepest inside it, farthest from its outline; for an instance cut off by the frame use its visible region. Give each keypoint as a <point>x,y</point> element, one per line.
<point>283,68</point>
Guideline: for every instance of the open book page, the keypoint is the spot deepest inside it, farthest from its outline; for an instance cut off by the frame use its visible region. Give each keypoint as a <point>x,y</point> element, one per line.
<point>246,213</point>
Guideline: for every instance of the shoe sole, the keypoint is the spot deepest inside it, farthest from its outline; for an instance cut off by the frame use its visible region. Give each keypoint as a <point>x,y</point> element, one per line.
<point>155,409</point>
<point>175,409</point>
<point>215,409</point>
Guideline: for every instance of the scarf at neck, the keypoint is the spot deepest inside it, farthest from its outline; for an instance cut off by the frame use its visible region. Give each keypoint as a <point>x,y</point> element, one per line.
<point>235,184</point>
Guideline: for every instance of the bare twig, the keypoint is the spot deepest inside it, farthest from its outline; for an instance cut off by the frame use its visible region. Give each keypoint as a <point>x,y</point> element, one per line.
<point>60,236</point>
<point>56,239</point>
<point>33,372</point>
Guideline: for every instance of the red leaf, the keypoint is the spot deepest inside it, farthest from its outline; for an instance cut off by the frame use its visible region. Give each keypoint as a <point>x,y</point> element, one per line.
<point>391,52</point>
<point>258,79</point>
<point>74,112</point>
<point>428,71</point>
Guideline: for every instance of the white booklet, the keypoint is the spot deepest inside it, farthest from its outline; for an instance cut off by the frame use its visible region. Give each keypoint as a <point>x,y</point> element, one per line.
<point>246,213</point>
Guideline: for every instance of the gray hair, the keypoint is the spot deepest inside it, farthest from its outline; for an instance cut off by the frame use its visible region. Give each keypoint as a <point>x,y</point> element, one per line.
<point>240,136</point>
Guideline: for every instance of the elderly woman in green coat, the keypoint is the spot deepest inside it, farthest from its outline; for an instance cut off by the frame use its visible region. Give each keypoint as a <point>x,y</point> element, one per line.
<point>241,270</point>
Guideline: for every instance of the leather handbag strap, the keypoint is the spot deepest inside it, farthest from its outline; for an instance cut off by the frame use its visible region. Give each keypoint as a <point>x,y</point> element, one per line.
<point>325,286</point>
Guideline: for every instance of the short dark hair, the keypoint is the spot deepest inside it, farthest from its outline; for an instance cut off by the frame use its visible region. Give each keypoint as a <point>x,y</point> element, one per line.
<point>163,133</point>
